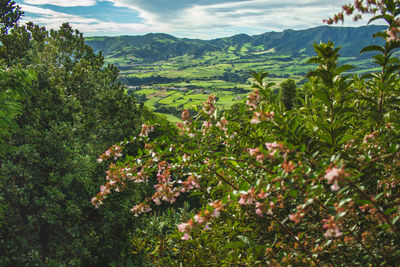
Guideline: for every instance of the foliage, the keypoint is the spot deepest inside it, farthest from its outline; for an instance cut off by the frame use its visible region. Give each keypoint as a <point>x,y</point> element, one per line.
<point>62,106</point>
<point>10,14</point>
<point>13,81</point>
<point>288,93</point>
<point>316,185</point>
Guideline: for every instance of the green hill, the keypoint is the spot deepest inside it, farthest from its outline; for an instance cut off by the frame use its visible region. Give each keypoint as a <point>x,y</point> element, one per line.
<point>155,47</point>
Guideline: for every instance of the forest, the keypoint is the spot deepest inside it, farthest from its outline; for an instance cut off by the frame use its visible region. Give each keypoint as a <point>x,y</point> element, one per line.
<point>296,175</point>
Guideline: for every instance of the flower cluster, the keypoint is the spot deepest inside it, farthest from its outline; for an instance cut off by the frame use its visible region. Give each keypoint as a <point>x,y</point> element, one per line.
<point>369,137</point>
<point>253,99</point>
<point>201,219</point>
<point>247,198</point>
<point>206,126</point>
<point>367,7</point>
<point>191,183</point>
<point>183,128</point>
<point>300,213</point>
<point>272,149</point>
<point>185,115</point>
<point>209,105</point>
<point>116,178</point>
<point>252,198</point>
<point>146,129</point>
<point>222,124</point>
<point>262,116</point>
<point>98,199</point>
<point>393,32</point>
<point>334,175</point>
<point>114,152</point>
<point>331,227</point>
<point>140,208</point>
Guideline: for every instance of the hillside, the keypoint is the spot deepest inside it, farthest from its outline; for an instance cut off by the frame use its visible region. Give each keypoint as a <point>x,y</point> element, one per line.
<point>155,47</point>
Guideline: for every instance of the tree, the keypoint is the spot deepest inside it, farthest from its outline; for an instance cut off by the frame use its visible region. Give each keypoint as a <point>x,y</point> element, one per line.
<point>288,93</point>
<point>12,81</point>
<point>10,13</point>
<point>69,111</point>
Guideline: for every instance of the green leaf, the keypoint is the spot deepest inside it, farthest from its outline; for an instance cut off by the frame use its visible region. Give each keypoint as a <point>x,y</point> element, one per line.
<point>344,201</point>
<point>343,68</point>
<point>373,48</point>
<point>390,210</point>
<point>323,96</point>
<point>387,18</point>
<point>380,60</point>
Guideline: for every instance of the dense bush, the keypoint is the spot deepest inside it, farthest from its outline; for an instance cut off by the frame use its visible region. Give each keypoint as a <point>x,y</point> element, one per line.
<point>314,185</point>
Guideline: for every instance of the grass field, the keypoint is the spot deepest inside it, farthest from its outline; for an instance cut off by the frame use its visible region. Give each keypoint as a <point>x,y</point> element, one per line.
<point>200,76</point>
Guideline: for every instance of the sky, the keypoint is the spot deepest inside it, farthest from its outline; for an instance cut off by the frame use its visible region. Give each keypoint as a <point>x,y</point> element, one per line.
<point>202,19</point>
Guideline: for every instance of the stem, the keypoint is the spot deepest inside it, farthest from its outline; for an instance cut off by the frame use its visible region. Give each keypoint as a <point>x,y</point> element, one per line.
<point>238,172</point>
<point>223,178</point>
<point>376,159</point>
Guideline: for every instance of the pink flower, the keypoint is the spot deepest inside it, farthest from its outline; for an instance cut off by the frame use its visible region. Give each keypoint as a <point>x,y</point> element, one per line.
<point>104,190</point>
<point>186,228</point>
<point>94,200</point>
<point>257,153</point>
<point>263,195</point>
<point>332,229</point>
<point>260,208</point>
<point>186,236</point>
<point>242,201</point>
<point>272,146</point>
<point>199,219</point>
<point>259,213</point>
<point>333,175</point>
<point>140,208</point>
<point>183,227</point>
<point>208,106</point>
<point>253,99</point>
<point>146,129</point>
<point>185,115</point>
<point>248,198</point>
<point>335,186</point>
<point>393,33</point>
<point>262,116</point>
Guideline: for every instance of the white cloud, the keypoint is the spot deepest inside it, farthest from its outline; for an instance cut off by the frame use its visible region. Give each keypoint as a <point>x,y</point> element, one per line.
<point>200,18</point>
<point>256,16</point>
<point>148,17</point>
<point>216,18</point>
<point>63,3</point>
<point>52,20</point>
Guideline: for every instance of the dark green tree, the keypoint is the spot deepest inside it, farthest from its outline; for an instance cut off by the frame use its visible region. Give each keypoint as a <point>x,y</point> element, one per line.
<point>288,93</point>
<point>10,13</point>
<point>71,109</point>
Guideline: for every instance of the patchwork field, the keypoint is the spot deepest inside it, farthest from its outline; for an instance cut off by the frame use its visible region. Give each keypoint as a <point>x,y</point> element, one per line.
<point>169,74</point>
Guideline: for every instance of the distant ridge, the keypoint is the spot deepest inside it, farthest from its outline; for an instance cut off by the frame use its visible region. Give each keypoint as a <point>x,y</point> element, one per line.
<point>159,46</point>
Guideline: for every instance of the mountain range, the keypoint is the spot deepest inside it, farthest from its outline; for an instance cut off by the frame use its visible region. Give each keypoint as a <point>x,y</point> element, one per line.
<point>155,47</point>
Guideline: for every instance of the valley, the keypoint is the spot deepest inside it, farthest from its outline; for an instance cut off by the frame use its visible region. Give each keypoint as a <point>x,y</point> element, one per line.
<point>170,74</point>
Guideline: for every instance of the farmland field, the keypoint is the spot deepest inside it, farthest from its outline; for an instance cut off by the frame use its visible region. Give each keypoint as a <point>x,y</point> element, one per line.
<point>170,74</point>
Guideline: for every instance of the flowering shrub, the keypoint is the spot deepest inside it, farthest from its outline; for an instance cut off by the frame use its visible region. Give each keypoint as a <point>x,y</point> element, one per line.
<point>315,185</point>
